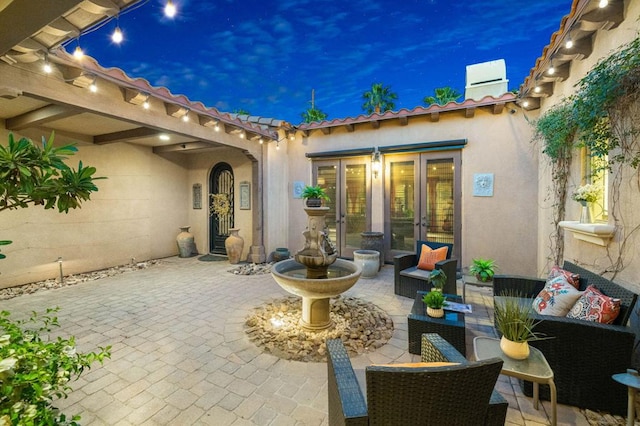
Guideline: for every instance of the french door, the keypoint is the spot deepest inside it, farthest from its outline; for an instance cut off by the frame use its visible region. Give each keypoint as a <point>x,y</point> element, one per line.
<point>347,183</point>
<point>422,200</point>
<point>220,185</point>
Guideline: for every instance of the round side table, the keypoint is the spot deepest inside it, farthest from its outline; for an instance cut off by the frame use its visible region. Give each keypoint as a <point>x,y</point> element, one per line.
<point>632,381</point>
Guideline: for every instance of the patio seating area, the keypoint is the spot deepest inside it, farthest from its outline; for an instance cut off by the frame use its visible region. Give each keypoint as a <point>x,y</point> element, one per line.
<point>180,355</point>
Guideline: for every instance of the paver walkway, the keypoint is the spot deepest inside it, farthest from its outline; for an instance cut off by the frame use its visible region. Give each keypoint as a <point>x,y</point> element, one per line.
<point>180,356</point>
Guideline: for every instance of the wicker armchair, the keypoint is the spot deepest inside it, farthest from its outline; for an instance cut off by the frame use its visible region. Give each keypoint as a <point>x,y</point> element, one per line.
<point>582,354</point>
<point>452,395</point>
<point>409,279</point>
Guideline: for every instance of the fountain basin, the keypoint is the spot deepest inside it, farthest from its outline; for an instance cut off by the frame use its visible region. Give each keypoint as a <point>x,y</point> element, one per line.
<point>316,292</point>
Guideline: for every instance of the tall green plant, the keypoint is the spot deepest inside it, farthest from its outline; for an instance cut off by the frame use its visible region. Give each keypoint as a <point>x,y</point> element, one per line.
<point>443,95</point>
<point>379,99</point>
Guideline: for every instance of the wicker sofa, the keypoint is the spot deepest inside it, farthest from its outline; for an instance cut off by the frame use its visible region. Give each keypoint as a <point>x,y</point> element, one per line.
<point>408,279</point>
<point>453,395</point>
<point>582,354</point>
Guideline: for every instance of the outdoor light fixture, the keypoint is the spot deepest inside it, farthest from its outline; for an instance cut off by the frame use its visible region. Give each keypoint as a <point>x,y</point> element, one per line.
<point>603,3</point>
<point>60,265</point>
<point>170,9</point>
<point>47,66</point>
<point>185,117</point>
<point>117,35</point>
<point>216,127</point>
<point>78,53</point>
<point>376,163</point>
<point>261,141</point>
<point>145,104</point>
<point>93,87</point>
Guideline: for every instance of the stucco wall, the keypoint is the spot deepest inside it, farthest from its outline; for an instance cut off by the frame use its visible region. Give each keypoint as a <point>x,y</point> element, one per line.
<point>135,214</point>
<point>502,227</point>
<point>594,257</point>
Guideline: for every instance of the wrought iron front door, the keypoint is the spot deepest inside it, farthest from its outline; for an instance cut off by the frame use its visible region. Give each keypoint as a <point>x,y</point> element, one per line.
<point>221,218</point>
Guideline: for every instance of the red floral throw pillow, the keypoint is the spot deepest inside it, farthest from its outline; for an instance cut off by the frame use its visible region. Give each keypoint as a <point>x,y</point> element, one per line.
<point>556,298</point>
<point>595,306</point>
<point>572,278</point>
<point>429,257</point>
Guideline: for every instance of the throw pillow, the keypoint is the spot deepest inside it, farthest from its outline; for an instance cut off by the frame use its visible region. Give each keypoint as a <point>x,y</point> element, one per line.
<point>572,278</point>
<point>429,257</point>
<point>556,298</point>
<point>595,306</point>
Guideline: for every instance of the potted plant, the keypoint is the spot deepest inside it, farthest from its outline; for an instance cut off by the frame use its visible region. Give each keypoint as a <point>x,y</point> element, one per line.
<point>483,269</point>
<point>515,322</point>
<point>438,279</point>
<point>314,195</point>
<point>435,302</point>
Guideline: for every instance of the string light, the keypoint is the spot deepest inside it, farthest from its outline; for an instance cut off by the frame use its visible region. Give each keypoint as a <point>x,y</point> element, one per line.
<point>93,88</point>
<point>78,53</point>
<point>569,43</point>
<point>261,141</point>
<point>241,135</point>
<point>277,144</point>
<point>525,104</point>
<point>216,127</point>
<point>145,105</point>
<point>117,35</point>
<point>603,4</point>
<point>537,89</point>
<point>47,66</point>
<point>185,117</point>
<point>551,70</point>
<point>170,9</point>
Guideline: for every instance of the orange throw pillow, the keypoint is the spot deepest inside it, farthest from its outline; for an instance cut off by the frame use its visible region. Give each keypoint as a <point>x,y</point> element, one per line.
<point>429,257</point>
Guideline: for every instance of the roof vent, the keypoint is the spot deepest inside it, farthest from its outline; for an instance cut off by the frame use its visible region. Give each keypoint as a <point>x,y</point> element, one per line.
<point>486,78</point>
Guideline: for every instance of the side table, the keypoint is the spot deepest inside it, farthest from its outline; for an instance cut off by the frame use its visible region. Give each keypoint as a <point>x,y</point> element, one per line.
<point>450,327</point>
<point>472,280</point>
<point>632,381</point>
<point>535,369</point>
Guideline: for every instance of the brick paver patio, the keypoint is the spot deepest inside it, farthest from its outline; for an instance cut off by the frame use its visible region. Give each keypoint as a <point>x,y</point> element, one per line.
<point>180,356</point>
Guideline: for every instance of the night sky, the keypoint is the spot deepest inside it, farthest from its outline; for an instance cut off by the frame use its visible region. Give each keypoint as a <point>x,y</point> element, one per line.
<point>266,56</point>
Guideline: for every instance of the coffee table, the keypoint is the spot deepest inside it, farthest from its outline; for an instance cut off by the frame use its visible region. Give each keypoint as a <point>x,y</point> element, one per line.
<point>534,369</point>
<point>472,280</point>
<point>450,327</point>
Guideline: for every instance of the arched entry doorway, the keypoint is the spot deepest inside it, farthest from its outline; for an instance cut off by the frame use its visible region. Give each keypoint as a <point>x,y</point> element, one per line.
<point>220,191</point>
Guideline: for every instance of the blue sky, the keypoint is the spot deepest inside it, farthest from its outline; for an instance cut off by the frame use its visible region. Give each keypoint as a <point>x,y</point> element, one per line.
<point>267,56</point>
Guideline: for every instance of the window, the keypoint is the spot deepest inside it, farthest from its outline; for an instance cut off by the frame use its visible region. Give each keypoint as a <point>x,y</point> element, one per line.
<point>596,173</point>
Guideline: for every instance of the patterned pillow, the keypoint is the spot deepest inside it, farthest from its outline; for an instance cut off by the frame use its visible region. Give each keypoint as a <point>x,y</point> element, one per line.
<point>573,279</point>
<point>556,298</point>
<point>429,257</point>
<point>595,306</point>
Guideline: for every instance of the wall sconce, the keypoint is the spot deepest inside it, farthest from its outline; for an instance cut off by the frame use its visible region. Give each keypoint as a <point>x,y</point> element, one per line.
<point>376,163</point>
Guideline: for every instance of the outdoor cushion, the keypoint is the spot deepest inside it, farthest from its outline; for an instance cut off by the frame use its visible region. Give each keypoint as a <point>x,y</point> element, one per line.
<point>429,257</point>
<point>572,277</point>
<point>414,272</point>
<point>556,298</point>
<point>418,364</point>
<point>595,306</point>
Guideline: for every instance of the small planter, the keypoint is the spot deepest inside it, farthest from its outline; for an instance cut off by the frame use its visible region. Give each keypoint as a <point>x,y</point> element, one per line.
<point>515,350</point>
<point>435,313</point>
<point>368,260</point>
<point>314,202</point>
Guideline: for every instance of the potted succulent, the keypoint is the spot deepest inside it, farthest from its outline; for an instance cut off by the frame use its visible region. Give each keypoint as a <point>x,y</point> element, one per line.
<point>483,269</point>
<point>435,302</point>
<point>515,322</point>
<point>314,195</point>
<point>438,279</point>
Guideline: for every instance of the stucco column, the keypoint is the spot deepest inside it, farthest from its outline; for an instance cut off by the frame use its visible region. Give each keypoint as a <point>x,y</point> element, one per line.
<point>256,251</point>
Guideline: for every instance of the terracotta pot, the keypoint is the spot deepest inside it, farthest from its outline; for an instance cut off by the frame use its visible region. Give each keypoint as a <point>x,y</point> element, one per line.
<point>435,313</point>
<point>186,244</point>
<point>234,245</point>
<point>515,350</point>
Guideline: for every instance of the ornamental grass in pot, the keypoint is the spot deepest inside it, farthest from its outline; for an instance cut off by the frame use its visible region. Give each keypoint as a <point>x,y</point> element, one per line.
<point>515,322</point>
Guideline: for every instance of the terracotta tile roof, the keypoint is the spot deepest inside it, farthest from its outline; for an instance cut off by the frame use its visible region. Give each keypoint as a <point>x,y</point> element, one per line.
<point>404,113</point>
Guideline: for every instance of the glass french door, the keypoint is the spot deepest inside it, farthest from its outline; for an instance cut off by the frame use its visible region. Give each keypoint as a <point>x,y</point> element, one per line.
<point>422,194</point>
<point>347,183</point>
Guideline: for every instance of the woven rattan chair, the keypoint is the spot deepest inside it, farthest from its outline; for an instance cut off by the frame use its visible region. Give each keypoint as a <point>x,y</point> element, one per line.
<point>408,279</point>
<point>454,395</point>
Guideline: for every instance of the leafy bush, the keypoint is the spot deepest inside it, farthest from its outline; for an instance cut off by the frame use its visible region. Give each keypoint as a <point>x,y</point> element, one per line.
<point>35,371</point>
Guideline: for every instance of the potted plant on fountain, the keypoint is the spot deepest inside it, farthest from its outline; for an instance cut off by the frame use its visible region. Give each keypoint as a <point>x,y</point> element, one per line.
<point>483,269</point>
<point>435,302</point>
<point>314,195</point>
<point>514,321</point>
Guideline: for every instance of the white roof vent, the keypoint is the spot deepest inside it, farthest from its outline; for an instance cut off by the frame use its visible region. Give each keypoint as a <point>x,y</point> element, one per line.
<point>486,78</point>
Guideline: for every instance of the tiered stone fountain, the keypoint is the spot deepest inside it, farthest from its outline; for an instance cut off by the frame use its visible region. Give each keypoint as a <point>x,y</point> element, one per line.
<point>316,274</point>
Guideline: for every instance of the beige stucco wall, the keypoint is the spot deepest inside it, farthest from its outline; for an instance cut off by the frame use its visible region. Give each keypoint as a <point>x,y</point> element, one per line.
<point>594,257</point>
<point>502,227</point>
<point>135,214</point>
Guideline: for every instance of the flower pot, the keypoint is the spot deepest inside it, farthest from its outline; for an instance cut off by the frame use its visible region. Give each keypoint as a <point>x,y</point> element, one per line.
<point>585,212</point>
<point>368,260</point>
<point>515,350</point>
<point>483,280</point>
<point>234,245</point>
<point>435,313</point>
<point>314,202</point>
<point>281,253</point>
<point>373,241</point>
<point>186,244</point>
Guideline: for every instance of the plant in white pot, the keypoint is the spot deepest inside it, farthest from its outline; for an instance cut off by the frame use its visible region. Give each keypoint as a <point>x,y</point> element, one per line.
<point>435,302</point>
<point>515,322</point>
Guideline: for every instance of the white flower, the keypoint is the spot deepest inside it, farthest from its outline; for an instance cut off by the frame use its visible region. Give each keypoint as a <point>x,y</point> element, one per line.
<point>69,351</point>
<point>588,193</point>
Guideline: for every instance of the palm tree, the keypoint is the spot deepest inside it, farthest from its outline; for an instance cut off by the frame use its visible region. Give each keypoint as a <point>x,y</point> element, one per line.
<point>443,96</point>
<point>313,113</point>
<point>379,99</point>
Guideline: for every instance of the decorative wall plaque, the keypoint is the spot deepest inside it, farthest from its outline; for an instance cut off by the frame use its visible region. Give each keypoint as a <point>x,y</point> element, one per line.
<point>197,196</point>
<point>483,185</point>
<point>245,196</point>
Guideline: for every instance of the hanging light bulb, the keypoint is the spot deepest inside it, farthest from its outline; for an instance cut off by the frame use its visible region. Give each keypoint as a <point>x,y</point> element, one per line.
<point>569,43</point>
<point>78,53</point>
<point>93,87</point>
<point>185,117</point>
<point>277,144</point>
<point>216,127</point>
<point>47,66</point>
<point>603,4</point>
<point>241,135</point>
<point>537,89</point>
<point>117,35</point>
<point>170,9</point>
<point>145,105</point>
<point>525,104</point>
<point>551,70</point>
<point>261,141</point>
